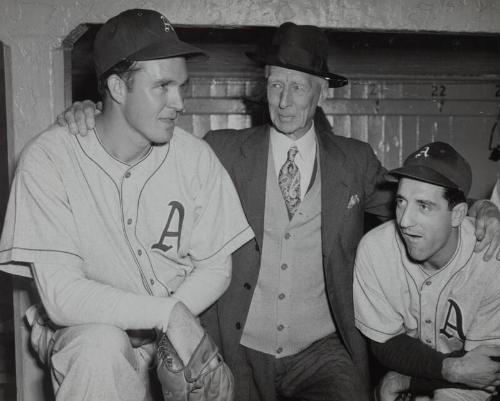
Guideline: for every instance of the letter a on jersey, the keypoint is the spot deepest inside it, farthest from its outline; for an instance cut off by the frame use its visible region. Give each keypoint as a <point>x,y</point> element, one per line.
<point>453,325</point>
<point>176,207</point>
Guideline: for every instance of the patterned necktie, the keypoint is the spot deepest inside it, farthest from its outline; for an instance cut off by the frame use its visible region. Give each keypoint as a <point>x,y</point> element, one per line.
<point>289,182</point>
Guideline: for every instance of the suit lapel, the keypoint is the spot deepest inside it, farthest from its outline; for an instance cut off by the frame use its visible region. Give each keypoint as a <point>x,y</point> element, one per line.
<point>334,189</point>
<point>251,171</point>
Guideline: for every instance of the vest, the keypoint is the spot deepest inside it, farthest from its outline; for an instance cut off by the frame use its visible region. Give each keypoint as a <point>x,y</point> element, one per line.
<point>289,309</point>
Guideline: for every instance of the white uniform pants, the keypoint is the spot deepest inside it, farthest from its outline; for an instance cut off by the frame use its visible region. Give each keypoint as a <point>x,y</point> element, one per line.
<point>97,362</point>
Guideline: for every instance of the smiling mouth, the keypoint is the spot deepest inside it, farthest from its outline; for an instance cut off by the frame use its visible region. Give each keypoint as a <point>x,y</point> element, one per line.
<point>167,120</point>
<point>411,237</point>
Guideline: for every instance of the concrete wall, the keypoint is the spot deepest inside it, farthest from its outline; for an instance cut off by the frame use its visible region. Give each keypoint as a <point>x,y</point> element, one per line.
<point>33,32</point>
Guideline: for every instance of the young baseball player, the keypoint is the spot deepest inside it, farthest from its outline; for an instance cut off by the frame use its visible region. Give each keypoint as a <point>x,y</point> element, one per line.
<point>128,231</point>
<point>418,276</point>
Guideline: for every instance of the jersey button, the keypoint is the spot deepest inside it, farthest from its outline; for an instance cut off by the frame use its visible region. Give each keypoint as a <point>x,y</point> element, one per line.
<point>428,321</point>
<point>152,281</point>
<point>428,282</point>
<point>284,266</point>
<point>139,252</point>
<point>287,236</point>
<point>280,327</point>
<point>127,174</point>
<point>129,221</point>
<point>281,296</point>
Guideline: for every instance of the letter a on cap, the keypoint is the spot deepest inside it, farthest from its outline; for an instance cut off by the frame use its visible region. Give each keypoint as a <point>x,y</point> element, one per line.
<point>168,25</point>
<point>424,152</point>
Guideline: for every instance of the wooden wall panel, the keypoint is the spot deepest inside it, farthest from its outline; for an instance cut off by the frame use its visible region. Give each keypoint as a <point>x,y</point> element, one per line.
<point>393,116</point>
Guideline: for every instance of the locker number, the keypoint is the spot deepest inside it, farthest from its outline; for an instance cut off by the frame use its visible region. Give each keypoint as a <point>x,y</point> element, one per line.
<point>438,90</point>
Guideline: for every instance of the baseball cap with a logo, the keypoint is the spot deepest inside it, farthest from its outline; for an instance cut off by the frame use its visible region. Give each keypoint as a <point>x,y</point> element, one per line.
<point>437,163</point>
<point>138,35</point>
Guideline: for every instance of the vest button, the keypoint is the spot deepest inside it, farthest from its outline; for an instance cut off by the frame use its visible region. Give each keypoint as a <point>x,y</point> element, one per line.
<point>284,266</point>
<point>281,296</point>
<point>279,350</point>
<point>280,327</point>
<point>238,325</point>
<point>247,286</point>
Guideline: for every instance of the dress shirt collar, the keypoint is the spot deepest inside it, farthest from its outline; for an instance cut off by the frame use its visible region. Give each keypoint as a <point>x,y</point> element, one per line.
<point>306,145</point>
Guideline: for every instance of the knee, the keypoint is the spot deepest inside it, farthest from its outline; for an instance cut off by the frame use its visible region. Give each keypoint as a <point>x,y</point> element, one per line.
<point>99,344</point>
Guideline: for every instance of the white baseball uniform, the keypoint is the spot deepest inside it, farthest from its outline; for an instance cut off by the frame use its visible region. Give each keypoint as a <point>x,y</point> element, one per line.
<point>121,233</point>
<point>457,307</point>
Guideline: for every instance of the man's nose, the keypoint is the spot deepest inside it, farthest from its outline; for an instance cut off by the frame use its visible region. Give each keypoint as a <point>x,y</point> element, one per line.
<point>175,100</point>
<point>285,97</point>
<point>406,217</point>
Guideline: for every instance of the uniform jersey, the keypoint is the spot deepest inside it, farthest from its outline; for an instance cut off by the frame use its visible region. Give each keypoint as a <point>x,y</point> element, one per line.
<point>456,307</point>
<point>141,228</point>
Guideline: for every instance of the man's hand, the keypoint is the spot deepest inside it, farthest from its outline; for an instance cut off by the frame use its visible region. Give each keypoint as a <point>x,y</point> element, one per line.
<point>475,369</point>
<point>80,117</point>
<point>392,387</point>
<point>487,227</point>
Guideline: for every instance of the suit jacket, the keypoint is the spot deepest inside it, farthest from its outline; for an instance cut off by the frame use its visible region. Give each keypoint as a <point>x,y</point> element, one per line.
<point>351,179</point>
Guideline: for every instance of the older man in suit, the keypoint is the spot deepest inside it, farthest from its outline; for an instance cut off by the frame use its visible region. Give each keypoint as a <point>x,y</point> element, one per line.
<point>286,323</point>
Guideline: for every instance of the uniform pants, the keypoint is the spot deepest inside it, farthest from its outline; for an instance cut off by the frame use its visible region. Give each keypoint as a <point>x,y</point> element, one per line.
<point>322,372</point>
<point>97,362</point>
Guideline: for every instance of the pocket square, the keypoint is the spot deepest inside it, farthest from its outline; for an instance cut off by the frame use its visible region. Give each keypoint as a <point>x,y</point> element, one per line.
<point>354,200</point>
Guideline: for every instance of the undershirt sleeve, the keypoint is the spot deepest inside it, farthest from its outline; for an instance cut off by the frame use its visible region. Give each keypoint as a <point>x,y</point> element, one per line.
<point>411,357</point>
<point>71,299</point>
<point>205,284</point>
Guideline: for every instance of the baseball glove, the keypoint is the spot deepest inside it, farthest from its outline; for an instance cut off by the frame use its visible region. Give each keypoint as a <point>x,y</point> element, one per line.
<point>205,378</point>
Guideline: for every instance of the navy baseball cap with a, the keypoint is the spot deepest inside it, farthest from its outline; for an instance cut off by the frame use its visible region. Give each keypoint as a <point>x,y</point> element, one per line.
<point>138,35</point>
<point>437,163</point>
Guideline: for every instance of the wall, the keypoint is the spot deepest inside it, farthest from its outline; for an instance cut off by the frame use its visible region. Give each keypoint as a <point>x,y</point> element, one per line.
<point>34,32</point>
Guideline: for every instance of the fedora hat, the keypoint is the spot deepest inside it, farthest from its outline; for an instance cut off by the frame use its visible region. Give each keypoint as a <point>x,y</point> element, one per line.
<point>302,48</point>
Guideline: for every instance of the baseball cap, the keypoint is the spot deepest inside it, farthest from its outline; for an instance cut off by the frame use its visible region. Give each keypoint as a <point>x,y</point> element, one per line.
<point>437,163</point>
<point>138,35</point>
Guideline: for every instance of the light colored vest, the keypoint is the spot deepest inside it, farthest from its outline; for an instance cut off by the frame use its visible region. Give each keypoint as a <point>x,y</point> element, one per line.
<point>289,309</point>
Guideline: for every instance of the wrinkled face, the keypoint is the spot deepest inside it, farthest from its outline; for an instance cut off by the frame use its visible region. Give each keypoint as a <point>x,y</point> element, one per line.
<point>425,222</point>
<point>293,97</point>
<point>155,100</point>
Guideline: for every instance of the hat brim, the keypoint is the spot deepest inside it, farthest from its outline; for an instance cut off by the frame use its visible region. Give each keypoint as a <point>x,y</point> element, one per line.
<point>334,80</point>
<point>168,49</point>
<point>421,173</point>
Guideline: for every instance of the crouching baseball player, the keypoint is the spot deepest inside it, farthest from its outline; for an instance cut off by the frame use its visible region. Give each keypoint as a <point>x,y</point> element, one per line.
<point>127,232</point>
<point>430,305</point>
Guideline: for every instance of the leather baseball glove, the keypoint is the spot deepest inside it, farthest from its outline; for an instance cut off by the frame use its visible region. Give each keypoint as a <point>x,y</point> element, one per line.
<point>205,378</point>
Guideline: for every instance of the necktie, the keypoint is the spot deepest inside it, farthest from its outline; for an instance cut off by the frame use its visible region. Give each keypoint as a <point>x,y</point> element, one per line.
<point>289,182</point>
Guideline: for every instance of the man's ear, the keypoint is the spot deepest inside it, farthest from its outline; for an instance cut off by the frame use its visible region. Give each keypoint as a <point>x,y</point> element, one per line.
<point>458,214</point>
<point>324,92</point>
<point>117,88</point>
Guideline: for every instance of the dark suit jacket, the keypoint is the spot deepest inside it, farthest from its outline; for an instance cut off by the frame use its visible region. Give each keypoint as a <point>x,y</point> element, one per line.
<point>350,176</point>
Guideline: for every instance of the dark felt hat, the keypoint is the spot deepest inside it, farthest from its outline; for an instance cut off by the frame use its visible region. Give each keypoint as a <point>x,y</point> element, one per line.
<point>302,48</point>
<point>138,35</point>
<point>437,163</point>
